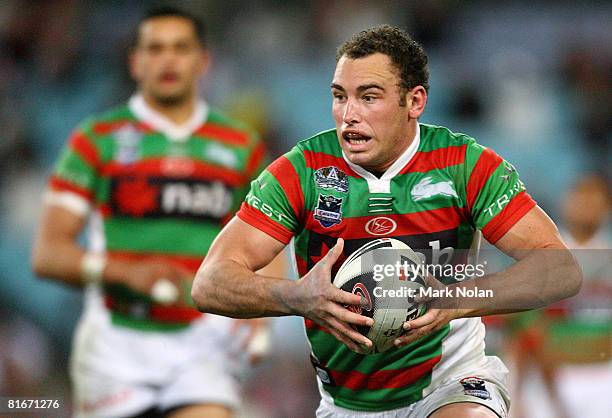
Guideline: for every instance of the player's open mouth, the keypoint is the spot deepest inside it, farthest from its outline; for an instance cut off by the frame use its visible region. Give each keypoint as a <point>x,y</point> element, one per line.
<point>169,77</point>
<point>355,138</point>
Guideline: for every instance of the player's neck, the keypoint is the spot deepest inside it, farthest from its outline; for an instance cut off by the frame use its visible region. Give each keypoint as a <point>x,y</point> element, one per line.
<point>177,112</point>
<point>378,171</point>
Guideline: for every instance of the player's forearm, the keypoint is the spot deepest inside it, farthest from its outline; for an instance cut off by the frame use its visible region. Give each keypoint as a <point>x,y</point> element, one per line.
<point>59,260</point>
<point>225,287</point>
<point>541,278</point>
<point>62,260</point>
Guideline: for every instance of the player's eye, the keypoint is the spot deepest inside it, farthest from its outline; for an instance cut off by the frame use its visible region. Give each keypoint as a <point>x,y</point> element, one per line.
<point>338,96</point>
<point>368,98</point>
<point>183,47</point>
<point>154,48</point>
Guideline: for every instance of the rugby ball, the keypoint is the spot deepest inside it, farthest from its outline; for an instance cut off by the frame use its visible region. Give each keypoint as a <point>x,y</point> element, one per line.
<point>372,271</point>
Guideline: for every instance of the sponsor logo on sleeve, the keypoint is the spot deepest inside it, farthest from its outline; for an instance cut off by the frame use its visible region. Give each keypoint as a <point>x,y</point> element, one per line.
<point>426,189</point>
<point>329,210</point>
<point>332,178</point>
<point>265,208</point>
<point>498,205</point>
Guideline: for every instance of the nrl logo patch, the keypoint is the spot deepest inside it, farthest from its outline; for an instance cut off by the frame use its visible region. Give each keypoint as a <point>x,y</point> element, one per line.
<point>128,140</point>
<point>332,178</point>
<point>329,210</point>
<point>475,386</point>
<point>425,189</point>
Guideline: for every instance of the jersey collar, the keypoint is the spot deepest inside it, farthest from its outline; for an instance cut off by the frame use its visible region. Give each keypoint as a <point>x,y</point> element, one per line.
<point>174,132</point>
<point>383,184</point>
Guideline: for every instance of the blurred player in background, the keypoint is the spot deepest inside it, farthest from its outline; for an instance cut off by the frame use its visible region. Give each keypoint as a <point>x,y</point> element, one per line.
<point>572,332</point>
<point>157,178</point>
<point>434,188</point>
<point>586,214</point>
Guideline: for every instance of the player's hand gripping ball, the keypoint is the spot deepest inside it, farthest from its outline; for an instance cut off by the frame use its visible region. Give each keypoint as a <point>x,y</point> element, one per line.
<point>389,291</point>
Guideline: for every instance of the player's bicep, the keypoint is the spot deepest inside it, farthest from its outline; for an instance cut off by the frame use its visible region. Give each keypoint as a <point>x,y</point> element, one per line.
<point>58,223</point>
<point>532,231</point>
<point>56,238</point>
<point>245,245</point>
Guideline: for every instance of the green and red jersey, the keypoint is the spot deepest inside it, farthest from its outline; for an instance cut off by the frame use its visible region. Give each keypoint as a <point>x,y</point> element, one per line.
<point>156,194</point>
<point>435,196</point>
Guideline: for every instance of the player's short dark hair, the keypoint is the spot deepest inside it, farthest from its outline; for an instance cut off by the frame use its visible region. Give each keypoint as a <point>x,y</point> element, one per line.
<point>405,53</point>
<point>170,11</point>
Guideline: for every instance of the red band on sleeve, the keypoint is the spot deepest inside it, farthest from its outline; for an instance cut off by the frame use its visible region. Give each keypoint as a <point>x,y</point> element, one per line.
<point>508,217</point>
<point>485,166</point>
<point>260,221</point>
<point>284,172</point>
<point>62,185</point>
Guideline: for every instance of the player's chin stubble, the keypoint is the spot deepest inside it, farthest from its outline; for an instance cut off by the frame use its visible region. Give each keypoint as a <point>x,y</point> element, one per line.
<point>170,100</point>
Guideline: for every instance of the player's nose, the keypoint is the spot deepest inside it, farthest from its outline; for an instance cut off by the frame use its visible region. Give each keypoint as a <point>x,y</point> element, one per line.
<point>351,113</point>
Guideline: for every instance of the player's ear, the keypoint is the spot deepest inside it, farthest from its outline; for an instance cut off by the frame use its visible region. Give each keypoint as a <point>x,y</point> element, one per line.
<point>205,61</point>
<point>417,100</point>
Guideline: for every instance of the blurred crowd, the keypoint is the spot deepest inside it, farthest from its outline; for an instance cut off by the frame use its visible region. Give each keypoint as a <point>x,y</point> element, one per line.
<point>532,80</point>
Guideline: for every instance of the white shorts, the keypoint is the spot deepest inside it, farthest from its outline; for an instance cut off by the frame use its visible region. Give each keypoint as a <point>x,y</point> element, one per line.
<point>118,371</point>
<point>485,386</point>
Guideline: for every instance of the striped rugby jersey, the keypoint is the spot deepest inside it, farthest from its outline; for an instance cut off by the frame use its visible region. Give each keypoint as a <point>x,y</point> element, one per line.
<point>443,188</point>
<point>157,192</point>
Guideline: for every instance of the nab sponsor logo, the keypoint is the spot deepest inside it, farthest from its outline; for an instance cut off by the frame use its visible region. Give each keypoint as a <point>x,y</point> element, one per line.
<point>196,199</point>
<point>380,226</point>
<point>161,197</point>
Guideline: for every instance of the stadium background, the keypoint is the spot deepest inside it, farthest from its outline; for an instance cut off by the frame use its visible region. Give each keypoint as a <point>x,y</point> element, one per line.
<point>530,79</point>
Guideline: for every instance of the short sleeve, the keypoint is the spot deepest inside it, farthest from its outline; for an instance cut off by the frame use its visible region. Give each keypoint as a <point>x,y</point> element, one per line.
<point>77,169</point>
<point>275,202</point>
<point>496,197</point>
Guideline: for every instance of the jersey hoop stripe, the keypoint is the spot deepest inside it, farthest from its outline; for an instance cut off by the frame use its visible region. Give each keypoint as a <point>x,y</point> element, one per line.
<point>485,166</point>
